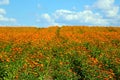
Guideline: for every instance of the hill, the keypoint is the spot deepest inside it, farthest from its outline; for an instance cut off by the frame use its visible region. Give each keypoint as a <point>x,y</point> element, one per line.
<point>60,53</point>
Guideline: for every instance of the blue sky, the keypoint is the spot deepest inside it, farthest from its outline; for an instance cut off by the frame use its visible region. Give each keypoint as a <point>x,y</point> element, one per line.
<point>43,13</point>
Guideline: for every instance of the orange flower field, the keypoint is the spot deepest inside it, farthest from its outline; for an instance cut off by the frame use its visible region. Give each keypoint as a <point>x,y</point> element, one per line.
<point>60,53</point>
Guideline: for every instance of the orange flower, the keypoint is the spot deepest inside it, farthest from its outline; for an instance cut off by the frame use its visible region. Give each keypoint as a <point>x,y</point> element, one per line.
<point>61,63</point>
<point>7,59</point>
<point>41,65</point>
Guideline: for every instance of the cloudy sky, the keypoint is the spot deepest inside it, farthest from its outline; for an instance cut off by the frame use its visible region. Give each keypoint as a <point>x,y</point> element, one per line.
<point>59,12</point>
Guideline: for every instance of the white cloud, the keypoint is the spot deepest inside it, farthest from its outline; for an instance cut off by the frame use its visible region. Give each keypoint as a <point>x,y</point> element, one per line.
<point>67,17</point>
<point>102,12</point>
<point>46,20</point>
<point>65,14</point>
<point>109,10</point>
<point>84,17</point>
<point>104,4</point>
<point>108,7</point>
<point>5,19</point>
<point>4,2</point>
<point>112,12</point>
<point>47,17</point>
<point>2,11</point>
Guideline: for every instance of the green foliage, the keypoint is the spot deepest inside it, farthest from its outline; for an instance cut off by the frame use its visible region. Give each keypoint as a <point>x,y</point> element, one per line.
<point>95,51</point>
<point>87,45</point>
<point>3,73</point>
<point>115,42</point>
